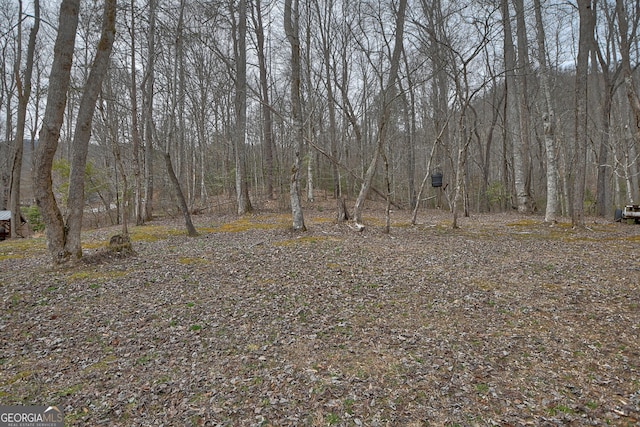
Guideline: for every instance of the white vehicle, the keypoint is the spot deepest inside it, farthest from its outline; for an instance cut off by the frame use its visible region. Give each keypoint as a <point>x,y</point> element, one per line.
<point>628,212</point>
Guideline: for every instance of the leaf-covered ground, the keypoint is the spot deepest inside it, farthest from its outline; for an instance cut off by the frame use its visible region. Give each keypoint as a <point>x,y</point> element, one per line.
<point>506,321</point>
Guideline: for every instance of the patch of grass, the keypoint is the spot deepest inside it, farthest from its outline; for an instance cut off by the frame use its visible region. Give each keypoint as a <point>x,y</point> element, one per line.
<point>68,391</point>
<point>348,406</point>
<point>254,222</point>
<point>332,419</point>
<point>17,377</point>
<point>524,223</point>
<point>192,261</point>
<point>21,248</point>
<point>306,240</point>
<point>94,244</point>
<point>482,388</point>
<point>381,222</point>
<point>195,328</point>
<point>11,256</point>
<point>100,365</point>
<point>560,409</point>
<point>143,360</point>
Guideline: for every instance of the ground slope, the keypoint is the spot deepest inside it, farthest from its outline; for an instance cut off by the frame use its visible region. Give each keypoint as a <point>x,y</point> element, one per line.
<point>505,321</point>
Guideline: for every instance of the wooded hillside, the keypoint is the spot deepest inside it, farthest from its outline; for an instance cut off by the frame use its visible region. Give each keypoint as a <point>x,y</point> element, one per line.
<point>520,105</point>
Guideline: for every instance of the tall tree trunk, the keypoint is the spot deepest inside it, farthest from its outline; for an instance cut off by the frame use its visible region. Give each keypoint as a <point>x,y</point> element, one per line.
<point>388,96</point>
<point>587,23</point>
<point>606,83</point>
<point>291,30</point>
<point>176,95</point>
<point>514,129</point>
<point>627,37</point>
<point>50,133</point>
<point>551,209</point>
<point>23,100</point>
<point>410,123</point>
<point>267,122</point>
<point>80,143</point>
<point>240,51</point>
<point>7,91</point>
<point>325,33</point>
<point>135,133</point>
<point>521,75</point>
<point>148,112</point>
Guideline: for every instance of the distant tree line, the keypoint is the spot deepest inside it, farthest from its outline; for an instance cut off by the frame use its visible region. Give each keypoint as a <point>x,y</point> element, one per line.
<point>160,106</point>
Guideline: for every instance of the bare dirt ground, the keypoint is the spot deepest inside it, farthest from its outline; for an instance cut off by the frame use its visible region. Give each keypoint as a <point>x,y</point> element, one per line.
<point>505,321</point>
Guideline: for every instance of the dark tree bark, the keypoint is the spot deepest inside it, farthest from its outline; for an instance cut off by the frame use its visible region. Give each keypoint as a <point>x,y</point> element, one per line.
<point>513,127</point>
<point>267,122</point>
<point>587,24</point>
<point>80,143</point>
<point>135,133</point>
<point>240,52</point>
<point>291,30</point>
<point>24,91</point>
<point>148,114</point>
<point>627,36</point>
<point>50,133</point>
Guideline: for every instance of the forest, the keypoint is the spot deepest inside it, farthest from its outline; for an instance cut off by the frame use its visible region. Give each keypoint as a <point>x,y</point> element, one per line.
<point>117,111</point>
<point>320,213</point>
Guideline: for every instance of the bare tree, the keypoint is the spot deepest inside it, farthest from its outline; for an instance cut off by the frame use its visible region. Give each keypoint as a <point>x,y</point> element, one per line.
<point>549,119</point>
<point>628,33</point>
<point>239,30</point>
<point>388,95</point>
<point>24,92</point>
<point>52,122</point>
<point>177,128</point>
<point>291,19</point>
<point>267,122</point>
<point>587,24</point>
<point>135,132</point>
<point>148,94</point>
<point>514,113</point>
<point>80,143</point>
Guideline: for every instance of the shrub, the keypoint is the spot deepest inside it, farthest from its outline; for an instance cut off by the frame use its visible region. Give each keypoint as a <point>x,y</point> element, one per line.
<point>33,217</point>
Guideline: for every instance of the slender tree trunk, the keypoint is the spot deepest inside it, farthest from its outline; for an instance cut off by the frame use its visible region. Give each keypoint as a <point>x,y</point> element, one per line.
<point>23,100</point>
<point>627,37</point>
<point>389,93</point>
<point>182,202</point>
<point>587,23</point>
<point>521,75</point>
<point>50,133</point>
<point>426,177</point>
<point>551,210</point>
<point>267,122</point>
<point>291,29</point>
<point>240,50</point>
<point>177,128</point>
<point>135,133</point>
<point>111,120</point>
<point>148,112</point>
<point>80,143</point>
<point>513,126</point>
